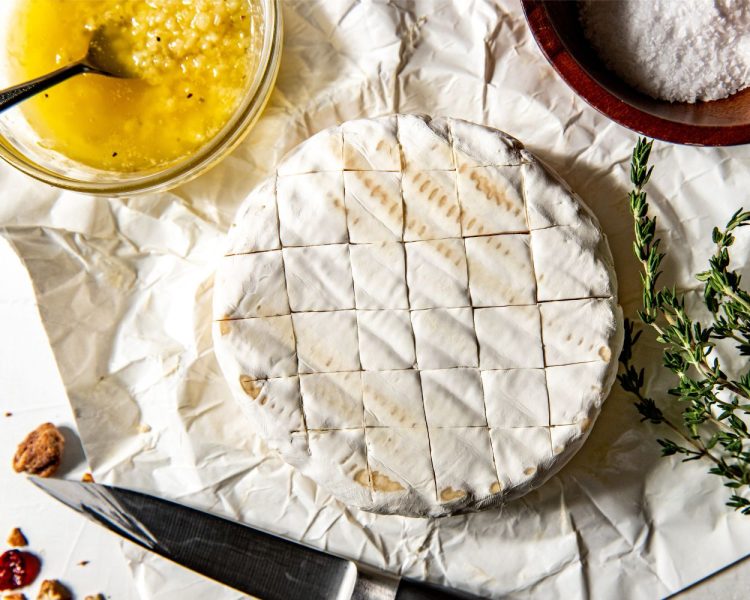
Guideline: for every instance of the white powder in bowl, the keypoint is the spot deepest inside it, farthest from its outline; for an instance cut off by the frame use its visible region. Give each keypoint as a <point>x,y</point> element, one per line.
<point>676,50</point>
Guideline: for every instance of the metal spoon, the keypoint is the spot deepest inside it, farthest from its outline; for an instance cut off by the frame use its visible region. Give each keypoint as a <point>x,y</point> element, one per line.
<point>99,59</point>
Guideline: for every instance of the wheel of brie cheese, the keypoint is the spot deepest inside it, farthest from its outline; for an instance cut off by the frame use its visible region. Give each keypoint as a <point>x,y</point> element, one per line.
<point>418,315</point>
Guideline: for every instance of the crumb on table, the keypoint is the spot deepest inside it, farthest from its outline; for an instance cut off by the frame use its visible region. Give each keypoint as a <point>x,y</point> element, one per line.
<point>87,478</point>
<point>53,590</point>
<point>17,539</point>
<point>41,452</point>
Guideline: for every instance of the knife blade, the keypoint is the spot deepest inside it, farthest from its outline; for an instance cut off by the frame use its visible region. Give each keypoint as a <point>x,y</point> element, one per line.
<point>247,559</point>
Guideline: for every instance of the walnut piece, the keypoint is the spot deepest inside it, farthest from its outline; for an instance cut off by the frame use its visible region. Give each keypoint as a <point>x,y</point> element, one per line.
<point>41,452</point>
<point>17,539</point>
<point>53,590</point>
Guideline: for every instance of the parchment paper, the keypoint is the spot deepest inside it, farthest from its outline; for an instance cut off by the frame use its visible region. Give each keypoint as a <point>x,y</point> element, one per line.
<point>124,289</point>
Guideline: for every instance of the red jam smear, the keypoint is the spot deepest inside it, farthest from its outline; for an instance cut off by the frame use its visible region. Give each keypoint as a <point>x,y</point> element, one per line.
<point>17,569</point>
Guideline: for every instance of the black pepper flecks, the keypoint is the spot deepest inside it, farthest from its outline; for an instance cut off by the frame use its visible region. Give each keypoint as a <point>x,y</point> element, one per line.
<point>114,154</point>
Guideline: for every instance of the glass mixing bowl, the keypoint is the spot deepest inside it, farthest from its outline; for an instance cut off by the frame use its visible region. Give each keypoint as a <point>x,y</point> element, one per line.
<point>20,145</point>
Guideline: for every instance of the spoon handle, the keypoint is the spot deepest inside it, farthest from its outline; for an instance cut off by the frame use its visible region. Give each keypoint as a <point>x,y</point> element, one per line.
<point>13,95</point>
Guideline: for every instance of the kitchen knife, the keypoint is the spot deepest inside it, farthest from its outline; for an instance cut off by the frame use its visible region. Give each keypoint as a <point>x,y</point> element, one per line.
<point>252,561</point>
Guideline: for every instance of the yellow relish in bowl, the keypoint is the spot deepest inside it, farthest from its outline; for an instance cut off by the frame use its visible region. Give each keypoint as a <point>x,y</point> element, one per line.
<point>193,60</point>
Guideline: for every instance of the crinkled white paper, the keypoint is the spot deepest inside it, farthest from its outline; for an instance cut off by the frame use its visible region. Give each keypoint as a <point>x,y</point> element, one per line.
<point>124,289</point>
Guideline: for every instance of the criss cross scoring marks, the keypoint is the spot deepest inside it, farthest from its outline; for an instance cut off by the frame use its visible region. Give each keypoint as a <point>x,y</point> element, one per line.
<point>418,315</point>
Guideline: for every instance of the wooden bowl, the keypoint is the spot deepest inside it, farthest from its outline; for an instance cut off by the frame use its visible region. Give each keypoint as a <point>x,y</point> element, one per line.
<point>559,34</point>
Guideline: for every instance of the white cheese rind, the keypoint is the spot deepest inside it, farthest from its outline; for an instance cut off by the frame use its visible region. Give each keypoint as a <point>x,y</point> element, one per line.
<point>516,398</point>
<point>379,276</point>
<point>491,200</point>
<point>319,278</point>
<point>374,208</point>
<point>418,314</point>
<point>371,145</point>
<point>445,338</point>
<point>256,227</point>
<point>465,469</point>
<point>570,263</point>
<point>386,340</point>
<point>501,270</point>
<point>311,209</point>
<point>510,337</point>
<point>436,274</point>
<point>251,285</point>
<point>577,331</point>
<point>453,398</point>
<point>327,341</point>
<point>332,400</point>
<point>393,399</point>
<point>431,208</point>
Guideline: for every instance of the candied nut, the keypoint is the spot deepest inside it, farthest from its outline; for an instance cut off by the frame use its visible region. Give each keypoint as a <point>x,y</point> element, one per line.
<point>53,590</point>
<point>95,597</point>
<point>87,478</point>
<point>41,452</point>
<point>15,597</point>
<point>17,538</point>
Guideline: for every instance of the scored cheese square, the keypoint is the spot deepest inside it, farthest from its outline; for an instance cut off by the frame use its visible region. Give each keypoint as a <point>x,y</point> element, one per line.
<point>445,338</point>
<point>519,453</point>
<point>374,208</point>
<point>570,263</point>
<point>273,404</point>
<point>311,209</point>
<point>324,151</point>
<point>516,398</point>
<point>379,275</point>
<point>453,398</point>
<point>371,145</point>
<point>436,274</point>
<point>327,341</point>
<point>565,437</point>
<point>549,200</point>
<point>386,339</point>
<point>342,455</point>
<point>491,200</point>
<point>423,143</point>
<point>575,391</point>
<point>463,462</point>
<point>479,146</point>
<point>393,399</point>
<point>501,271</point>
<point>256,227</point>
<point>431,209</point>
<point>510,337</point>
<point>251,285</point>
<point>392,476</point>
<point>578,330</point>
<point>332,400</point>
<point>258,348</point>
<point>319,278</point>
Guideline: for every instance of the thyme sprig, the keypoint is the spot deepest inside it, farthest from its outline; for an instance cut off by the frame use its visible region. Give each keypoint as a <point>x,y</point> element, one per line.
<point>714,404</point>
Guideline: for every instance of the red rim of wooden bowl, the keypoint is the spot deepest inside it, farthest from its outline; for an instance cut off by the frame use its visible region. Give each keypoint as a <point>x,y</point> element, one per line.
<point>588,88</point>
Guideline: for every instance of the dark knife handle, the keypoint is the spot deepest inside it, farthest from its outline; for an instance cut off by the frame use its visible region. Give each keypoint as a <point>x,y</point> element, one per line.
<point>417,590</point>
